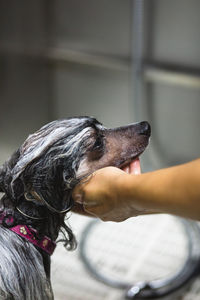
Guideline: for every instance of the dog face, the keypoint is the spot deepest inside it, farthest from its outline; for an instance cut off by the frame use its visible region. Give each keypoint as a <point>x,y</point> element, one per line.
<point>55,158</point>
<point>118,147</point>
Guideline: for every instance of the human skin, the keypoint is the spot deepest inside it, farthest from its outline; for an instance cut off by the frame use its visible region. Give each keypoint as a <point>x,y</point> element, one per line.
<point>113,195</point>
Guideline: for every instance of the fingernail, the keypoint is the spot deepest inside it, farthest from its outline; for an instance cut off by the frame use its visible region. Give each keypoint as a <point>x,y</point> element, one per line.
<point>78,198</point>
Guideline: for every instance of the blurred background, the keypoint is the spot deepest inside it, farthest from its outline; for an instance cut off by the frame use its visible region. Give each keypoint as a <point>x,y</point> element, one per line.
<point>119,61</point>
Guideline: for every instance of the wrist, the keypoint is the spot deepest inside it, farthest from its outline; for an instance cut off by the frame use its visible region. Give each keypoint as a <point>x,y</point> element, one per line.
<point>130,192</point>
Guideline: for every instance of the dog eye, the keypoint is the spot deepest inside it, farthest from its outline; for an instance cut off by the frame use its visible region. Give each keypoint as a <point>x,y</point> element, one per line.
<point>97,149</point>
<point>98,143</point>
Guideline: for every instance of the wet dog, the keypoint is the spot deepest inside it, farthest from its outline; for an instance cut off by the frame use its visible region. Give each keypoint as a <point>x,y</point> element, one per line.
<point>37,182</point>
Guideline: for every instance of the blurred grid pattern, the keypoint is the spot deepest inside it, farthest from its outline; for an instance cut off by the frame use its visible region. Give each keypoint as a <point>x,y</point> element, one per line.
<point>142,248</point>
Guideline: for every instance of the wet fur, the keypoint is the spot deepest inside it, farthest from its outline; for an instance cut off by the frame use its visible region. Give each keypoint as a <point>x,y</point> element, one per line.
<point>47,166</point>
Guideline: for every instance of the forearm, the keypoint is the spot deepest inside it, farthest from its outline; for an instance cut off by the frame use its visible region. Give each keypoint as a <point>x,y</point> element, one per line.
<point>114,195</point>
<point>174,190</point>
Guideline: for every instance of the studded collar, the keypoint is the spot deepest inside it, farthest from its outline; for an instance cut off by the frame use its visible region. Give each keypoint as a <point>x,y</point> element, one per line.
<point>28,233</point>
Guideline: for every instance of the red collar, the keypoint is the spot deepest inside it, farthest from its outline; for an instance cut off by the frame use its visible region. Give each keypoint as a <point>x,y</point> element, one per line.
<point>29,234</point>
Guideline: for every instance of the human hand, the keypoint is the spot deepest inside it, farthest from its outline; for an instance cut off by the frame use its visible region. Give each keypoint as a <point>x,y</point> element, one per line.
<point>104,195</point>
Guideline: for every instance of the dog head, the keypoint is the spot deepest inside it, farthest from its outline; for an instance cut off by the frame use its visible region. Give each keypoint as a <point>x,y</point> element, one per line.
<point>55,158</point>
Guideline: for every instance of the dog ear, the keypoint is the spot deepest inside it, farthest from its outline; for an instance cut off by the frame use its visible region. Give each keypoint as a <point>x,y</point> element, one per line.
<point>55,204</point>
<point>59,202</point>
<point>52,189</point>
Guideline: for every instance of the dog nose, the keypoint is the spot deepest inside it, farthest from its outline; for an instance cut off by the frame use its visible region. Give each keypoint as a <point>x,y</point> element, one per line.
<point>145,128</point>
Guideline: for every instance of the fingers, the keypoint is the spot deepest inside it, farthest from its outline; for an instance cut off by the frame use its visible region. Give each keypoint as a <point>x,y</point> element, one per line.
<point>78,208</point>
<point>77,193</point>
<point>82,204</point>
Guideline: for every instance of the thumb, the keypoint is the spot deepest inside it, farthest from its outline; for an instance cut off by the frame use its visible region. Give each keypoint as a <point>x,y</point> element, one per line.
<point>77,193</point>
